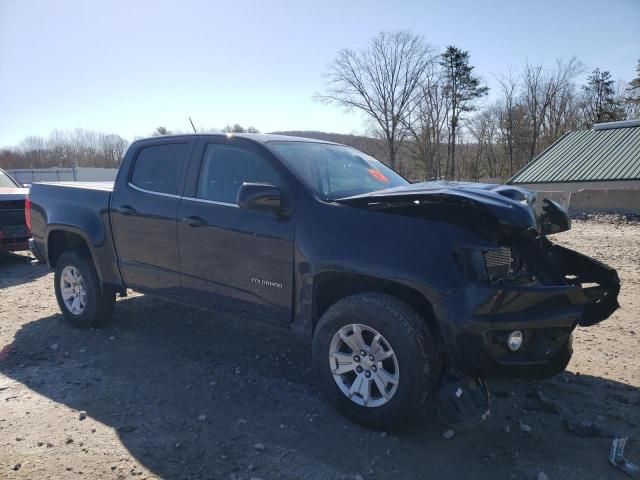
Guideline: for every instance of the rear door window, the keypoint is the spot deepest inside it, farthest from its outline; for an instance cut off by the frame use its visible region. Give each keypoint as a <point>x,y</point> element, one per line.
<point>225,168</point>
<point>157,167</point>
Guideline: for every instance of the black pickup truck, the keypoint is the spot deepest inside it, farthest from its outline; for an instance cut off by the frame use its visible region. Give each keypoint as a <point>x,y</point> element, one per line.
<point>411,292</point>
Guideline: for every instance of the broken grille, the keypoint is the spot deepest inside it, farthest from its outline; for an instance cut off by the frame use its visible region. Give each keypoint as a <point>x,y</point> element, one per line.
<point>498,262</point>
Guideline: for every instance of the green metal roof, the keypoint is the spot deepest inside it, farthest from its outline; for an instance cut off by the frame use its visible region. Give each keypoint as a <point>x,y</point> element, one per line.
<point>609,152</point>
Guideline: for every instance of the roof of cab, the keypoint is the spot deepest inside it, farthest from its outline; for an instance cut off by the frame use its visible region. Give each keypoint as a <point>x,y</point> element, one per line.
<point>256,137</point>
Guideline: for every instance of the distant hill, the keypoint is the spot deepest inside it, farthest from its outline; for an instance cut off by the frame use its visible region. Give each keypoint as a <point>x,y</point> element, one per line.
<point>372,146</point>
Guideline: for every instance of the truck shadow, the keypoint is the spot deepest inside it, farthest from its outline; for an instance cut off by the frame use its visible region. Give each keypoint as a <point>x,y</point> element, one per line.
<point>191,396</point>
<point>16,269</point>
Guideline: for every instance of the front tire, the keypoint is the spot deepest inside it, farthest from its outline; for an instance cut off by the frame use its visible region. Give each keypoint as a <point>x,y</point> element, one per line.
<point>84,302</point>
<point>376,359</point>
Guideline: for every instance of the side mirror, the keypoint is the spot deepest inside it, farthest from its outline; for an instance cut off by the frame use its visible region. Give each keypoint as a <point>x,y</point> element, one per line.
<point>259,196</point>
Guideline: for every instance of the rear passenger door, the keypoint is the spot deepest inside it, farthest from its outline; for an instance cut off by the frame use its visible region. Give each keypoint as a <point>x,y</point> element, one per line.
<point>230,256</point>
<point>144,206</point>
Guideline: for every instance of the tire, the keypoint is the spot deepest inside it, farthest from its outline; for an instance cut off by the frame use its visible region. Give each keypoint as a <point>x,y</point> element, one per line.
<point>406,334</point>
<point>99,301</point>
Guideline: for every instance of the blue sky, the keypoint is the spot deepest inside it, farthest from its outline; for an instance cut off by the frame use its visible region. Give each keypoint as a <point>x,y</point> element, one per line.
<point>129,66</point>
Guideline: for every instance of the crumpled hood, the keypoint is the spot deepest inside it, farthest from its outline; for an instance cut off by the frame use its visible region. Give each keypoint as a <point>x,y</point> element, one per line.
<point>13,193</point>
<point>511,207</point>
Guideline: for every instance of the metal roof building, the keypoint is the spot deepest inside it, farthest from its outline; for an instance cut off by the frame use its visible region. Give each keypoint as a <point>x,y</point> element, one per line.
<point>608,156</point>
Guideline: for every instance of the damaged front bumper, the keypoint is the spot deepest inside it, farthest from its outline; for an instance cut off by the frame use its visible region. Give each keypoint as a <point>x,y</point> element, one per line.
<point>598,282</point>
<point>516,280</point>
<point>477,320</point>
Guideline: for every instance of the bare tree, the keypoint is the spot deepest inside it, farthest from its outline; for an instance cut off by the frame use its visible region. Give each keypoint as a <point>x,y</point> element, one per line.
<point>506,117</point>
<point>427,123</point>
<point>382,81</point>
<point>112,149</point>
<point>35,153</point>
<point>541,90</point>
<point>483,129</point>
<point>58,146</point>
<point>562,115</point>
<point>632,95</point>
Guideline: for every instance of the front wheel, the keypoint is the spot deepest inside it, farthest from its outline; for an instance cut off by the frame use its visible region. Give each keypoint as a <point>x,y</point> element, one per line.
<point>376,359</point>
<point>84,302</point>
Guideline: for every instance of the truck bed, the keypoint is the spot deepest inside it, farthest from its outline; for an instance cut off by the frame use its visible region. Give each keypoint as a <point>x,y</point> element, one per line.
<point>104,186</point>
<point>81,207</point>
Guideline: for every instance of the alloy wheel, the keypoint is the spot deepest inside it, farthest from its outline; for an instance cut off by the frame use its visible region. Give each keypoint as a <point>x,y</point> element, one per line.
<point>364,366</point>
<point>72,289</point>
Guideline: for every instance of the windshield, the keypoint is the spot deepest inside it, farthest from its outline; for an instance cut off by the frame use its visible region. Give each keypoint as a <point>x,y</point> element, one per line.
<point>336,171</point>
<point>6,181</point>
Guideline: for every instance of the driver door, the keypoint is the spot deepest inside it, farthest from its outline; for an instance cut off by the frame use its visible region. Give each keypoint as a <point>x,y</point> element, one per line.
<point>229,256</point>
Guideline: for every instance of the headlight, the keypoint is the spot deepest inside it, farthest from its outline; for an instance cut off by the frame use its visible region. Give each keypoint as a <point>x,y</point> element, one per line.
<point>498,263</point>
<point>471,264</point>
<point>491,266</point>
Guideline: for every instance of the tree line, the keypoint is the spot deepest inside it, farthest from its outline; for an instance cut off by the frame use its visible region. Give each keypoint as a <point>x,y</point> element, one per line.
<point>427,106</point>
<point>428,110</point>
<point>66,149</point>
<point>82,148</point>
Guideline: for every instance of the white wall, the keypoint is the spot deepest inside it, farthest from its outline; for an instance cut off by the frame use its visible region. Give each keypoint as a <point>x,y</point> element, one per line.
<point>85,174</point>
<point>598,201</point>
<point>81,174</point>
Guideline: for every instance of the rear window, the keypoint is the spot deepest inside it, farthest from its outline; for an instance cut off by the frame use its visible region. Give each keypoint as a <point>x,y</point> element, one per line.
<point>157,167</point>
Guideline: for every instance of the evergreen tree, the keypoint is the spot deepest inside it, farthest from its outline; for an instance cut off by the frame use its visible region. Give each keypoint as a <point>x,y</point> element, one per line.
<point>161,131</point>
<point>462,89</point>
<point>600,101</point>
<point>237,128</point>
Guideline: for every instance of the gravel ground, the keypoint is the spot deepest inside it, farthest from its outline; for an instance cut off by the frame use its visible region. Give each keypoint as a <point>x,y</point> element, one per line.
<point>165,391</point>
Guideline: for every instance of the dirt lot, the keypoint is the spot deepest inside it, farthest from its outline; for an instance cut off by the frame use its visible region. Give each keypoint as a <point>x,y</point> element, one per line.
<point>172,392</point>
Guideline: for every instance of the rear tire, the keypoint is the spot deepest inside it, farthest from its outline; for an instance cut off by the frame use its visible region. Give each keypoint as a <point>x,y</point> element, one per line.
<point>84,302</point>
<point>402,370</point>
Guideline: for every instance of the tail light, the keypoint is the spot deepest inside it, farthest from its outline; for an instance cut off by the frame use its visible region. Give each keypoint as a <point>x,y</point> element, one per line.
<point>27,213</point>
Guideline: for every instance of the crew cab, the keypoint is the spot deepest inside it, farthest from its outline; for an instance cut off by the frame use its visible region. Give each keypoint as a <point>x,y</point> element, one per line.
<point>410,292</point>
<point>14,234</point>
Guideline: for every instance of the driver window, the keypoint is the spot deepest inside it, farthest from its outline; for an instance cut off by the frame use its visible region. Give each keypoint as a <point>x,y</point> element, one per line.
<point>225,168</point>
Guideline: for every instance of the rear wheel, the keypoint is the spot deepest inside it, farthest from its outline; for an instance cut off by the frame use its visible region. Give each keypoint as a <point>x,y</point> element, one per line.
<point>84,302</point>
<point>376,359</point>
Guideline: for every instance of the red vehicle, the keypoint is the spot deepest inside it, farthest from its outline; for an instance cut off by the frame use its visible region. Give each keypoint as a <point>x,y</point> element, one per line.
<point>14,233</point>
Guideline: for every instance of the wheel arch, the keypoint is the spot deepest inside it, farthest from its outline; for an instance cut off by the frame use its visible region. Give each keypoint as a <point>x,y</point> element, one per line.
<point>329,287</point>
<point>62,238</point>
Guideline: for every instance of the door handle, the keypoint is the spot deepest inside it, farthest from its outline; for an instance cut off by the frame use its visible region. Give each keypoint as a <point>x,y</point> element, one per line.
<point>125,210</point>
<point>194,221</point>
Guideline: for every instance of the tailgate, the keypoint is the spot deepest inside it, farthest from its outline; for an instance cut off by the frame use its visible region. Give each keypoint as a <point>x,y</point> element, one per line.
<point>11,215</point>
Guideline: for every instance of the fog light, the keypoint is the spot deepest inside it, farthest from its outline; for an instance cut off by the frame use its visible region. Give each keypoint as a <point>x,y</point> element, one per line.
<point>515,340</point>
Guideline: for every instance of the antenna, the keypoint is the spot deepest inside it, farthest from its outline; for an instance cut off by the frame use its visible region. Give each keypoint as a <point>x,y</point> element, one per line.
<point>193,126</point>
